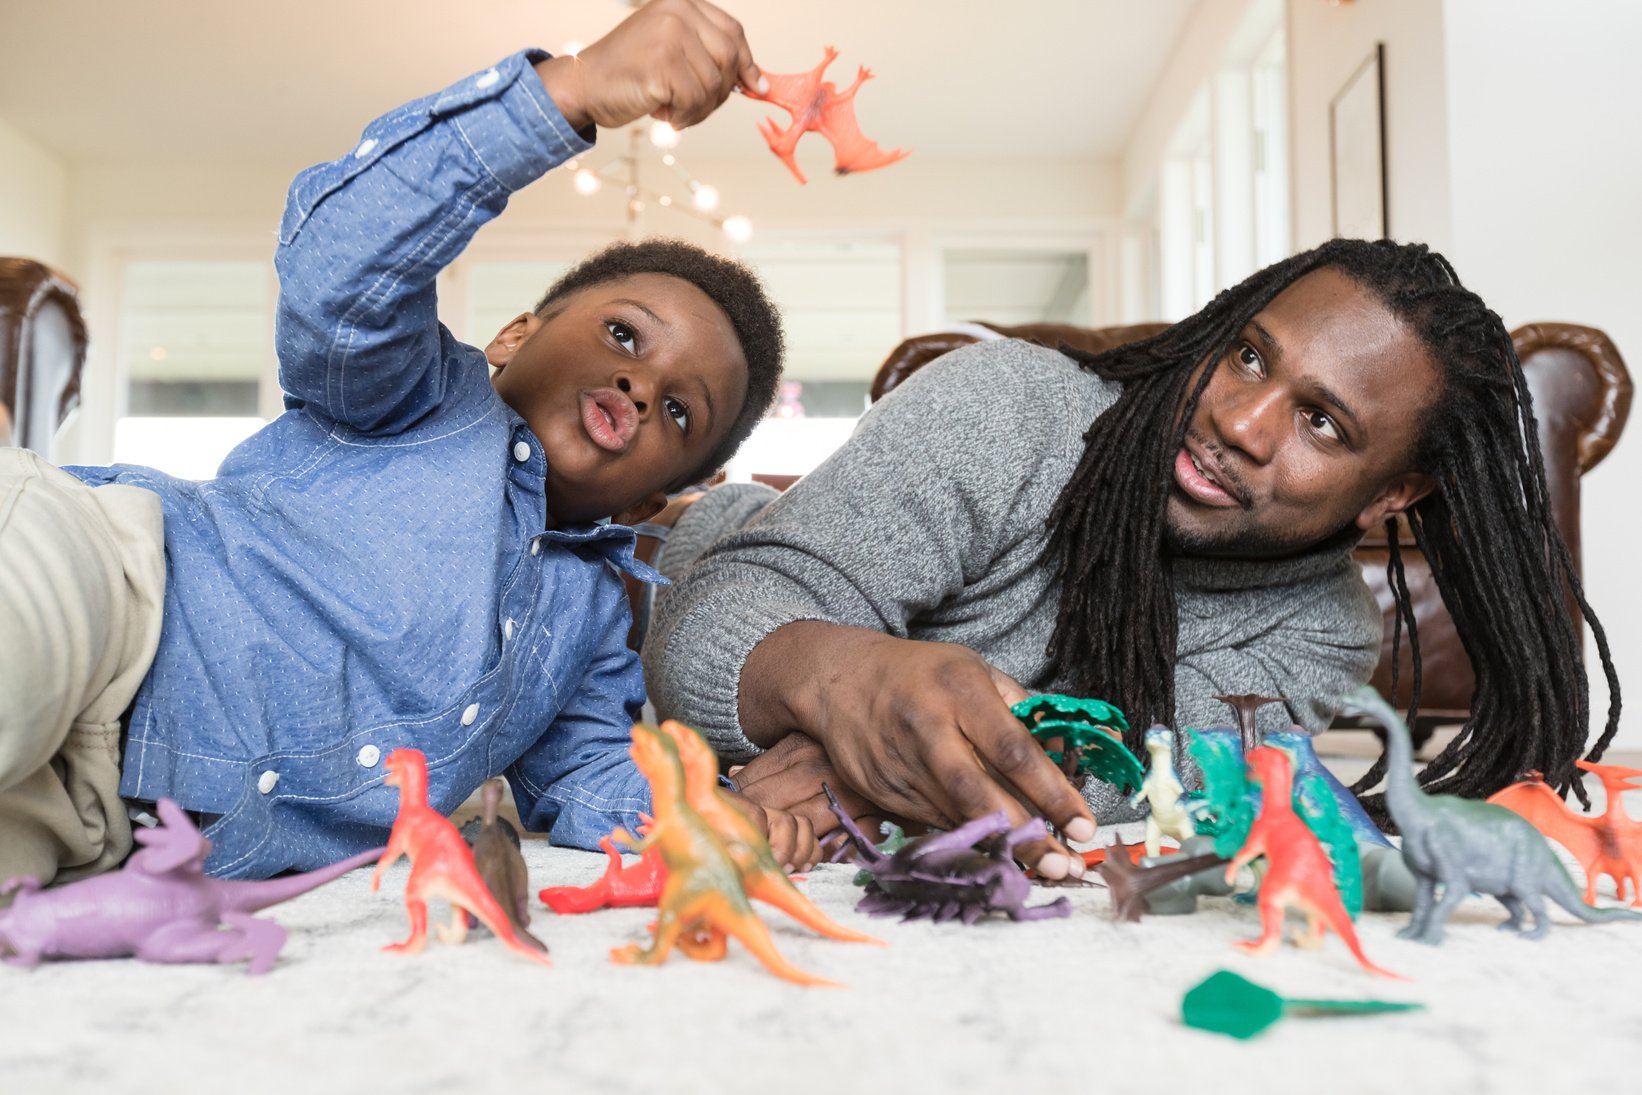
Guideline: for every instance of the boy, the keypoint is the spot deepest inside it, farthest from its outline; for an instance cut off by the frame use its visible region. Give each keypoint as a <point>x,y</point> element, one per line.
<point>410,555</point>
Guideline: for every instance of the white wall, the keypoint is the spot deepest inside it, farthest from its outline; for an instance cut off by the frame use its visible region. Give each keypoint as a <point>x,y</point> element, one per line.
<point>1326,44</point>
<point>1545,162</point>
<point>32,190</point>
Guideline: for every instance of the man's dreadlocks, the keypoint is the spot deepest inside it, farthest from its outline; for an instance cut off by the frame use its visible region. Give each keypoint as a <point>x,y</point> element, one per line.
<point>1486,529</point>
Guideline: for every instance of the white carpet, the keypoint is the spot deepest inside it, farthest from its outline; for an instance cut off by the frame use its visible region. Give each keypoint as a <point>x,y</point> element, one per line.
<point>1075,1005</point>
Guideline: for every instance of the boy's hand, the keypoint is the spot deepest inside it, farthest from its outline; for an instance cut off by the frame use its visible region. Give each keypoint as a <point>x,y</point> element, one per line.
<point>675,60</point>
<point>792,838</point>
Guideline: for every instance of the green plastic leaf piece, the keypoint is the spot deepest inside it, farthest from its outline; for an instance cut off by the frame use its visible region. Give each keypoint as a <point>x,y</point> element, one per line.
<point>1228,1004</point>
<point>1088,729</point>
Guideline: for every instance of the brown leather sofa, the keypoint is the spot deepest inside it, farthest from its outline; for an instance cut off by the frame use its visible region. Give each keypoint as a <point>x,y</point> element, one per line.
<point>1582,395</point>
<point>42,352</point>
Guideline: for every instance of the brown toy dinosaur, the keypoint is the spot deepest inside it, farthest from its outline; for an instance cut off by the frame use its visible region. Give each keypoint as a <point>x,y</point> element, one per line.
<point>761,876</point>
<point>1298,874</point>
<point>441,866</point>
<point>703,901</point>
<point>495,844</point>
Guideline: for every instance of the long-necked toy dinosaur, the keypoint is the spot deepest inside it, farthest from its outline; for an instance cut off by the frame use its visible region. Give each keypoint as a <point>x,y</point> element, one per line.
<point>1607,845</point>
<point>1298,872</point>
<point>1460,846</point>
<point>441,866</point>
<point>703,901</point>
<point>818,105</point>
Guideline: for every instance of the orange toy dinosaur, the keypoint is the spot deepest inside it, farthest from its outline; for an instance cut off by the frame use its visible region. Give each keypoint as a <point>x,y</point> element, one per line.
<point>621,886</point>
<point>703,901</point>
<point>818,105</point>
<point>1298,874</point>
<point>761,876</point>
<point>1608,845</point>
<point>441,866</point>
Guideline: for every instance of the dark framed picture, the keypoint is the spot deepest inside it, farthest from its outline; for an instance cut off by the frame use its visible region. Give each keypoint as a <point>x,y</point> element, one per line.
<point>1356,137</point>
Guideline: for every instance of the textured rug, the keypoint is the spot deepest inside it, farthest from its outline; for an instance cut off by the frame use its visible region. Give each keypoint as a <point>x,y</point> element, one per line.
<point>1080,1004</point>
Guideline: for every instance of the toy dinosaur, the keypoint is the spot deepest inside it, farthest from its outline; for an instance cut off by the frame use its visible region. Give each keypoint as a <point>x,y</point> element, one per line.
<point>1298,873</point>
<point>159,907</point>
<point>1463,846</point>
<point>1228,1004</point>
<point>945,876</point>
<point>1608,845</point>
<point>1161,789</point>
<point>761,876</point>
<point>1083,736</point>
<point>623,885</point>
<point>495,844</point>
<point>818,105</point>
<point>702,901</point>
<point>441,866</point>
<point>1164,886</point>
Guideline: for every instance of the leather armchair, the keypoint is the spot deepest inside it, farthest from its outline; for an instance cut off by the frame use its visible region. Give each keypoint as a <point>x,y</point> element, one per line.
<point>42,351</point>
<point>1582,395</point>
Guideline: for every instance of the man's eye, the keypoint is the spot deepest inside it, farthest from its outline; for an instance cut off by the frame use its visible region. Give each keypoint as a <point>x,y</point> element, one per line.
<point>622,333</point>
<point>678,412</point>
<point>1322,424</point>
<point>1249,358</point>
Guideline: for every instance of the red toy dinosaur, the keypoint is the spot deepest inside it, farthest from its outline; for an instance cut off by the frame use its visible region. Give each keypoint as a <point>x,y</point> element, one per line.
<point>621,885</point>
<point>761,876</point>
<point>1298,874</point>
<point>1608,845</point>
<point>441,866</point>
<point>818,105</point>
<point>703,901</point>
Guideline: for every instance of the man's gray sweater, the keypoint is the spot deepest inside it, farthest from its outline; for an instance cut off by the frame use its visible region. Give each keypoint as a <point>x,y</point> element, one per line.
<point>930,524</point>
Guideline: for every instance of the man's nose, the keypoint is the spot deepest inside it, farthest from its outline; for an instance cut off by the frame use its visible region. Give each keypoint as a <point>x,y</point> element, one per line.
<point>1250,419</point>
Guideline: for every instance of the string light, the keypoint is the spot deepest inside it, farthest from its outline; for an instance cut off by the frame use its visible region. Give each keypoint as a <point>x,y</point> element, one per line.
<point>624,170</point>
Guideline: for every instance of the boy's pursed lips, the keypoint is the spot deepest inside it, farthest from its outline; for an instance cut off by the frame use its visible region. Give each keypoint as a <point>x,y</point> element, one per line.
<point>609,418</point>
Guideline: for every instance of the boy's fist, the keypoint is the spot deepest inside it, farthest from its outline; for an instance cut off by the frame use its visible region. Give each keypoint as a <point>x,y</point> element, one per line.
<point>675,60</point>
<point>792,838</point>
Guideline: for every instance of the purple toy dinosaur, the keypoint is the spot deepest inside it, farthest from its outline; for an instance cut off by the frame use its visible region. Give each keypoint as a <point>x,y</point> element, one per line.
<point>160,907</point>
<point>948,875</point>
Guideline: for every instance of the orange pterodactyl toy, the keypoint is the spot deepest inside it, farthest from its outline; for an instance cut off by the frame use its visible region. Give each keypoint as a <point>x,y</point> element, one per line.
<point>817,104</point>
<point>1607,845</point>
<point>441,866</point>
<point>1298,874</point>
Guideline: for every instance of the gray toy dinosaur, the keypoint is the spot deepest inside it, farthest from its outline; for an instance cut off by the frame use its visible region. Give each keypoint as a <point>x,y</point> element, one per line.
<point>1463,846</point>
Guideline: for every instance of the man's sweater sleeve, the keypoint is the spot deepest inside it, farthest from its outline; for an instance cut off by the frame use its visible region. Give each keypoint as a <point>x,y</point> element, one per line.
<point>918,502</point>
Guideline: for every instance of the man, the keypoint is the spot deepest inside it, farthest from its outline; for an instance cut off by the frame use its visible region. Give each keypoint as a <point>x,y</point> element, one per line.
<point>1156,525</point>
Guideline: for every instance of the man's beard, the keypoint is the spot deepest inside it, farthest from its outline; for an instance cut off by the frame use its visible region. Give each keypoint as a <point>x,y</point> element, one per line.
<point>1256,543</point>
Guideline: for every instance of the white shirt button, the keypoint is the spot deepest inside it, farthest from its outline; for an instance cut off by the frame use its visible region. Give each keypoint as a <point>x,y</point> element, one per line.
<point>470,714</point>
<point>535,547</point>
<point>267,780</point>
<point>521,451</point>
<point>368,756</point>
<point>364,148</point>
<point>507,630</point>
<point>488,78</point>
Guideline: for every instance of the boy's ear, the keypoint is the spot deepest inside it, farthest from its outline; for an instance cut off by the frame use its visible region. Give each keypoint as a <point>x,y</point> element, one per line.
<point>510,338</point>
<point>642,510</point>
<point>1396,496</point>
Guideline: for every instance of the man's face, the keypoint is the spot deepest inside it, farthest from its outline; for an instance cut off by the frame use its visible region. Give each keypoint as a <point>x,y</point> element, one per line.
<point>1307,426</point>
<point>630,385</point>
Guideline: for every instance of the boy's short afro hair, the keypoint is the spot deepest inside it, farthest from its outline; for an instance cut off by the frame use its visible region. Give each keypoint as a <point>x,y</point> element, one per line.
<point>730,284</point>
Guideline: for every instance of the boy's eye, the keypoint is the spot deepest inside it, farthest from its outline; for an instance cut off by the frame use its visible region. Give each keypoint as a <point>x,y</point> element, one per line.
<point>1322,425</point>
<point>678,412</point>
<point>622,333</point>
<point>1249,358</point>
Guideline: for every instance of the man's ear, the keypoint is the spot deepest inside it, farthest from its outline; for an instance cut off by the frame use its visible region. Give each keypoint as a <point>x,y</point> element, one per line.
<point>642,510</point>
<point>1395,497</point>
<point>510,338</point>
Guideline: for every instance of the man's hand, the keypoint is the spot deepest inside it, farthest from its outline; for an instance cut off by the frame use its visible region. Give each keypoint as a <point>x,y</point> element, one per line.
<point>792,838</point>
<point>676,60</point>
<point>921,729</point>
<point>789,775</point>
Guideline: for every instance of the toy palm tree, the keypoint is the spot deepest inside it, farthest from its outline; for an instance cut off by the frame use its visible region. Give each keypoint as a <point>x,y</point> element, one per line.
<point>1084,737</point>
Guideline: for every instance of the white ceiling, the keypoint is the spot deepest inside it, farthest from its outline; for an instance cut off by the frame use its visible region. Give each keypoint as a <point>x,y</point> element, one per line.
<point>289,82</point>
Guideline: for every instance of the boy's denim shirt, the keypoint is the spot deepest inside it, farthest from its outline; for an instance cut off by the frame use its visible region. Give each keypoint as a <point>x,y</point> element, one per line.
<point>373,568</point>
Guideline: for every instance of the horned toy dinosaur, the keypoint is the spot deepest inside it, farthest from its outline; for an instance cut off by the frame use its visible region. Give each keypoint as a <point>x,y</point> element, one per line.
<point>495,844</point>
<point>441,866</point>
<point>1298,872</point>
<point>818,105</point>
<point>1463,846</point>
<point>160,907</point>
<point>703,901</point>
<point>1608,845</point>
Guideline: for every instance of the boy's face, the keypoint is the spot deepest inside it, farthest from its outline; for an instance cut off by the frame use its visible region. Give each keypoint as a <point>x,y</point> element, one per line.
<point>629,385</point>
<point>1308,425</point>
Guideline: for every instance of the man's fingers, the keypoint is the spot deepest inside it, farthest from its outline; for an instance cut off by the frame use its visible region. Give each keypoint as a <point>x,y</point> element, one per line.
<point>1009,689</point>
<point>1009,748</point>
<point>962,788</point>
<point>744,69</point>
